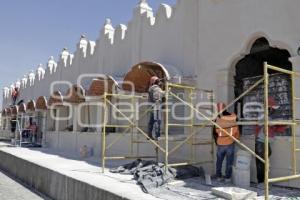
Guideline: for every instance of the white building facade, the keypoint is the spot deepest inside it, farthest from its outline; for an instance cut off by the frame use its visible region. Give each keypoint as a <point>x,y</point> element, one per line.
<point>204,40</point>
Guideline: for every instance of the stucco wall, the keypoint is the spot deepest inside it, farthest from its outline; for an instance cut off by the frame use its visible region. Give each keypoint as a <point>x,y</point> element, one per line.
<point>204,39</point>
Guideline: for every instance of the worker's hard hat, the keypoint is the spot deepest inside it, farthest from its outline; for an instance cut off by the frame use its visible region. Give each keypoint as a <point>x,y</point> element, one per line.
<point>221,106</point>
<point>272,103</point>
<point>153,79</point>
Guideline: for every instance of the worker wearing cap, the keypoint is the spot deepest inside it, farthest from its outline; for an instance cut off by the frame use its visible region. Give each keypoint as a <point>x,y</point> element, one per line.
<point>260,140</point>
<point>155,98</point>
<point>14,95</point>
<point>225,142</point>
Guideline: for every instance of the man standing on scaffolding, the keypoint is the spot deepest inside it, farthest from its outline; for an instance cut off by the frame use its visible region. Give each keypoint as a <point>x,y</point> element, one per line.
<point>155,98</point>
<point>225,143</point>
<point>260,140</point>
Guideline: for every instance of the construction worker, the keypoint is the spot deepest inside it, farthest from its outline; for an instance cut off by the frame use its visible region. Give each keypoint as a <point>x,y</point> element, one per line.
<point>225,143</point>
<point>155,98</point>
<point>260,140</point>
<point>14,95</point>
<point>31,131</point>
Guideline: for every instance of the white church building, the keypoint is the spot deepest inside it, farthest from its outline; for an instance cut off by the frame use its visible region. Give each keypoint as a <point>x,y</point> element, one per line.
<point>212,45</point>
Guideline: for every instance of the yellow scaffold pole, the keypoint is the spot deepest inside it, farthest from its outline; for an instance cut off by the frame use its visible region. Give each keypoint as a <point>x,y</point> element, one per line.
<point>266,127</point>
<point>167,127</point>
<point>104,133</point>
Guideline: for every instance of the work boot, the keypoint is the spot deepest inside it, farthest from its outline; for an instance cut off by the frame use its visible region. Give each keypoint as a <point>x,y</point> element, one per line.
<point>151,137</point>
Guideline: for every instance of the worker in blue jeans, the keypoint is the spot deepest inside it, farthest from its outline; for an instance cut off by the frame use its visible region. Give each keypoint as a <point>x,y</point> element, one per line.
<point>225,142</point>
<point>155,98</point>
<point>222,151</point>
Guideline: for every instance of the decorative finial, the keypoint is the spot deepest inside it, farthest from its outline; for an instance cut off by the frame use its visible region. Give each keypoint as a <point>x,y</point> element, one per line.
<point>108,21</point>
<point>143,7</point>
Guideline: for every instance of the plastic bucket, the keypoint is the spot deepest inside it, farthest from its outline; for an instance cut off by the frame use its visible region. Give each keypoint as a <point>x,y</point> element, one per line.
<point>243,160</point>
<point>241,177</point>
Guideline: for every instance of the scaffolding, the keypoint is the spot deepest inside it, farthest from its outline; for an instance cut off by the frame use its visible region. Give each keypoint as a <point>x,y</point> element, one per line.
<point>210,121</point>
<point>293,123</point>
<point>162,144</point>
<point>266,123</point>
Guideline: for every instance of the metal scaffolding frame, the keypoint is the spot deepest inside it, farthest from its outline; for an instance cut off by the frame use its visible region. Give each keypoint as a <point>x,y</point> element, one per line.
<point>164,148</point>
<point>293,123</point>
<point>211,122</point>
<point>130,126</point>
<point>266,123</point>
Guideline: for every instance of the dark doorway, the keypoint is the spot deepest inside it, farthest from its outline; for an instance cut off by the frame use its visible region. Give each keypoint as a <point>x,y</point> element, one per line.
<point>252,64</point>
<point>250,69</point>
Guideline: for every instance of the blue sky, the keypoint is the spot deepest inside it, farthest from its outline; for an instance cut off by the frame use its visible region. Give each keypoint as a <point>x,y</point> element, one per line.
<point>33,30</point>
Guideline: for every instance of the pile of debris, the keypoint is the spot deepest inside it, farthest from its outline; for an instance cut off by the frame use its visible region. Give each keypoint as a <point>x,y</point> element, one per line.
<point>150,174</point>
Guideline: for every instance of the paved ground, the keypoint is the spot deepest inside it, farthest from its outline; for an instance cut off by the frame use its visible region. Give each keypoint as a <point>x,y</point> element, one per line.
<point>88,171</point>
<point>12,190</point>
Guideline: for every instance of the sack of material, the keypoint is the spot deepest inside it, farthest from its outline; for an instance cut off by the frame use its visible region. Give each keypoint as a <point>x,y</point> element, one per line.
<point>234,193</point>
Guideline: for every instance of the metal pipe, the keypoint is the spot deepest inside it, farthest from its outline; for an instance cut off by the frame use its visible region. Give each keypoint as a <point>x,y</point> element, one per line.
<point>181,125</point>
<point>285,71</point>
<point>189,163</point>
<point>285,178</point>
<point>125,131</point>
<point>104,133</point>
<point>179,86</point>
<point>223,130</point>
<point>294,146</point>
<point>124,95</point>
<point>266,127</point>
<point>192,158</point>
<point>167,127</point>
<point>127,157</point>
<point>115,141</point>
<point>241,96</point>
<point>288,123</point>
<point>118,126</point>
<point>139,129</point>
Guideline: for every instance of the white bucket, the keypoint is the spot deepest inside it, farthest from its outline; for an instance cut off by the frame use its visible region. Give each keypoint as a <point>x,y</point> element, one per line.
<point>243,160</point>
<point>241,177</point>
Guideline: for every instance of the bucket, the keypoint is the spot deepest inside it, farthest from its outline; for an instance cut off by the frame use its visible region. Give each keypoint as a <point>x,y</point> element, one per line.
<point>241,177</point>
<point>243,160</point>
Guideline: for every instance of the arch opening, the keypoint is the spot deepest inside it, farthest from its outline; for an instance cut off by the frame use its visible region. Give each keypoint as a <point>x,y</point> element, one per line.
<point>55,99</point>
<point>31,106</point>
<point>41,103</point>
<point>138,78</point>
<point>249,70</point>
<point>75,95</point>
<point>22,108</point>
<point>101,85</point>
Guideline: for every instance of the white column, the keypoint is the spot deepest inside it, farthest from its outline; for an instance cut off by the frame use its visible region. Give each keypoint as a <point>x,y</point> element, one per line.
<point>44,129</point>
<point>75,117</point>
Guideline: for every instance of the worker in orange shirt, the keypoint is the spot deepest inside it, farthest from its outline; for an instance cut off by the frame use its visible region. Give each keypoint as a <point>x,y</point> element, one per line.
<point>225,143</point>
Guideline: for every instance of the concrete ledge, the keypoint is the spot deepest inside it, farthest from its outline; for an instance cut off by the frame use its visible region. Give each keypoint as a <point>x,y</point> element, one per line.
<point>58,185</point>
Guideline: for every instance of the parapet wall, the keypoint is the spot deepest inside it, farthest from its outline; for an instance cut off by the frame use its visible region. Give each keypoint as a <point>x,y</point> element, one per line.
<point>201,38</point>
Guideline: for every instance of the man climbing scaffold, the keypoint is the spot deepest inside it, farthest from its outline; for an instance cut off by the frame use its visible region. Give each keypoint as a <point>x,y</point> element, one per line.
<point>155,98</point>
